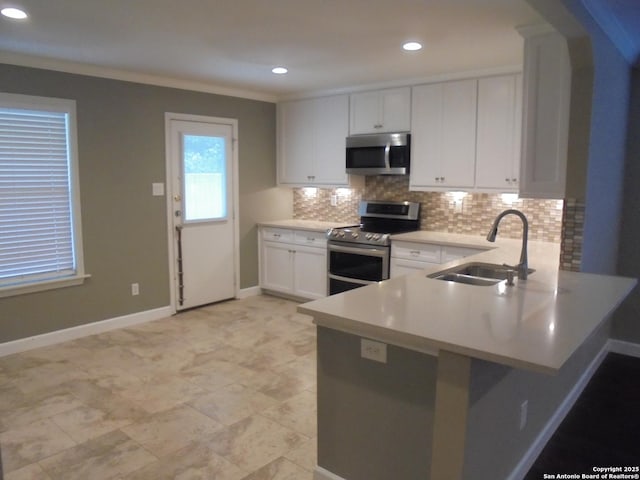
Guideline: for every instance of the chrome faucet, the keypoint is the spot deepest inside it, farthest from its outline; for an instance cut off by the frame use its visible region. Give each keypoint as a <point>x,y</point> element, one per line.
<point>523,266</point>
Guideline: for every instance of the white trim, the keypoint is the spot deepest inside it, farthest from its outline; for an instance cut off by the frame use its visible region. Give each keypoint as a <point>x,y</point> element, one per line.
<point>128,76</point>
<point>30,283</point>
<point>529,458</point>
<point>320,473</point>
<point>233,123</point>
<point>248,292</point>
<point>624,348</point>
<point>59,336</point>
<point>410,82</point>
<point>13,290</point>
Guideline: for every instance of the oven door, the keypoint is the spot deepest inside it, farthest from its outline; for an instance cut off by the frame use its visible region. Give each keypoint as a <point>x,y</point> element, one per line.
<point>352,266</point>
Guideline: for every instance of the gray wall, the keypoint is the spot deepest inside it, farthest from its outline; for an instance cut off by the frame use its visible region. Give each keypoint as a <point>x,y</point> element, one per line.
<point>121,152</point>
<point>627,324</point>
<point>612,223</point>
<point>495,444</point>
<point>375,420</point>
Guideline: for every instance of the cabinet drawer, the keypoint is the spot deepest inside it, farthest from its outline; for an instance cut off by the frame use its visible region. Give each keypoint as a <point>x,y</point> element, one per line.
<point>450,253</point>
<point>277,234</point>
<point>312,239</point>
<point>424,252</point>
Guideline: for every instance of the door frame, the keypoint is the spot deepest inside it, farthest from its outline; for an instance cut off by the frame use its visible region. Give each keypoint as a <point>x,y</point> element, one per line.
<point>233,123</point>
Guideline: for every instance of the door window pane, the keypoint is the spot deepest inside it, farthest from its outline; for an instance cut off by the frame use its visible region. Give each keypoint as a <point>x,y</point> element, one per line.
<point>204,178</point>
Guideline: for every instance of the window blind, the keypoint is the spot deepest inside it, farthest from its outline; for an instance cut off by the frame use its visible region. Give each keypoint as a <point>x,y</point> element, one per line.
<point>36,228</point>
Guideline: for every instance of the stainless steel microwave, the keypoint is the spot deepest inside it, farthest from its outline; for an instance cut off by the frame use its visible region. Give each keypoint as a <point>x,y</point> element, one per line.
<point>380,154</point>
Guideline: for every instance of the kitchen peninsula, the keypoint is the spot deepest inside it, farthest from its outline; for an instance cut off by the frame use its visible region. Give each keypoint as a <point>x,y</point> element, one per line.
<point>470,379</point>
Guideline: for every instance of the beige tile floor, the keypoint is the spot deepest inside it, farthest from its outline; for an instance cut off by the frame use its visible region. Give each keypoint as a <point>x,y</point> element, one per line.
<point>224,392</point>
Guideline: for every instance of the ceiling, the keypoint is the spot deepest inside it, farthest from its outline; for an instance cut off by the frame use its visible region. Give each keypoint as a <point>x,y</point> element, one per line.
<point>231,45</point>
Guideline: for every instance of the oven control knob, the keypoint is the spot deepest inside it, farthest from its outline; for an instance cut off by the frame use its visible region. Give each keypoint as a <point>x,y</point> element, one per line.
<point>368,236</point>
<point>334,233</point>
<point>354,235</point>
<point>341,234</point>
<point>376,237</point>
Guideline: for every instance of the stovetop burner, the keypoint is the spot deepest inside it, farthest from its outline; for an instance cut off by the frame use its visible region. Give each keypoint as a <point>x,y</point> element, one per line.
<point>378,221</point>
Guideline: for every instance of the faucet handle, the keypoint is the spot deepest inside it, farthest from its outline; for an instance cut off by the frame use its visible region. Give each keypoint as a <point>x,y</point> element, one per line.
<point>510,275</point>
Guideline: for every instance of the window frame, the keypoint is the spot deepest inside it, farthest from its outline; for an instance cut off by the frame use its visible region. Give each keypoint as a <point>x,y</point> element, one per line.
<point>29,102</point>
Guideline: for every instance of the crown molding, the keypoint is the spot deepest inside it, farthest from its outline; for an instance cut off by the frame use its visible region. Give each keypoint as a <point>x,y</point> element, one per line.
<point>445,77</point>
<point>128,76</point>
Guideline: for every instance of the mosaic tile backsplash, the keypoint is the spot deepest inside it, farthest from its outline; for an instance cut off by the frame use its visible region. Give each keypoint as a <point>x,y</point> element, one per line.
<point>442,212</point>
<point>558,221</point>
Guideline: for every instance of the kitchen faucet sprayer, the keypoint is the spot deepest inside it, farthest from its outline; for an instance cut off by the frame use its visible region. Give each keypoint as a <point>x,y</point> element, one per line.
<point>522,267</point>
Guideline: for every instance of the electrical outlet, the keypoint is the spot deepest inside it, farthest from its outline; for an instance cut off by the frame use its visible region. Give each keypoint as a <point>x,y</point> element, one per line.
<point>135,289</point>
<point>375,351</point>
<point>334,200</point>
<point>524,406</point>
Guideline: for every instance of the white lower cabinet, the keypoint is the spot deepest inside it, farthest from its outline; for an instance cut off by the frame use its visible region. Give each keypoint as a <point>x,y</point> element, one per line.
<point>293,262</point>
<point>310,272</point>
<point>410,257</point>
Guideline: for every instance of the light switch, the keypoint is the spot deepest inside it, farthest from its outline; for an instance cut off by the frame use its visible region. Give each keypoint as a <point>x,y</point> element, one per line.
<point>157,189</point>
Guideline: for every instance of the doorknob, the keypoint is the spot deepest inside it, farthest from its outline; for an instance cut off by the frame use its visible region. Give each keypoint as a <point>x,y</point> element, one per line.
<point>177,198</point>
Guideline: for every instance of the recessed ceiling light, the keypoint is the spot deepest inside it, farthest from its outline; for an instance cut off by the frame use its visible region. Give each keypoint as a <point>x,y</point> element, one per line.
<point>279,70</point>
<point>14,13</point>
<point>412,46</point>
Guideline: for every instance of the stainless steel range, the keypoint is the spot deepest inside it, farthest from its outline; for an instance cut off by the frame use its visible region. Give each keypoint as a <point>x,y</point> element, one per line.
<point>358,256</point>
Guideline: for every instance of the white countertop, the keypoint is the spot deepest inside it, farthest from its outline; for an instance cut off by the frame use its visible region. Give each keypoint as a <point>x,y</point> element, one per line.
<point>536,324</point>
<point>311,225</point>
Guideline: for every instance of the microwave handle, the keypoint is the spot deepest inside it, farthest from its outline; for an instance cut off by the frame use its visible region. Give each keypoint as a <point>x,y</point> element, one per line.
<point>387,149</point>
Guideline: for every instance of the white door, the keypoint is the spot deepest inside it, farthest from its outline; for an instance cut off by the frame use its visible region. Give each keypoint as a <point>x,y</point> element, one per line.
<point>202,214</point>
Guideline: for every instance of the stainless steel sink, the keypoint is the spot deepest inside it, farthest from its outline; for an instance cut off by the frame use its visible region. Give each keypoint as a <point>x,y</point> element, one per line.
<point>468,279</point>
<point>477,273</point>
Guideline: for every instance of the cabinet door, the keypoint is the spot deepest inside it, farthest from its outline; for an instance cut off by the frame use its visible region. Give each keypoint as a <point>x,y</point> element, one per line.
<point>277,267</point>
<point>459,133</point>
<point>310,272</point>
<point>380,111</point>
<point>545,129</point>
<point>499,124</point>
<point>443,140</point>
<point>401,267</point>
<point>296,141</point>
<point>396,110</point>
<point>364,111</point>
<point>331,125</point>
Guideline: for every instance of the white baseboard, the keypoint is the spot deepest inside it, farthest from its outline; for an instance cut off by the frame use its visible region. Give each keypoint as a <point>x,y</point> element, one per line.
<point>624,348</point>
<point>320,473</point>
<point>248,292</point>
<point>59,336</point>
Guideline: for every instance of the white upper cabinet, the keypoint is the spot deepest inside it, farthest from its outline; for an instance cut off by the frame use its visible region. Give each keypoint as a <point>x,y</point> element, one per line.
<point>443,135</point>
<point>380,111</point>
<point>546,104</point>
<point>311,141</point>
<point>498,135</point>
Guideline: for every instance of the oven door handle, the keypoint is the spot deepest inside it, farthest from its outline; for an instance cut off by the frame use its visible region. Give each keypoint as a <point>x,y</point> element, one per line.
<point>351,280</point>
<point>387,149</point>
<point>370,252</point>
